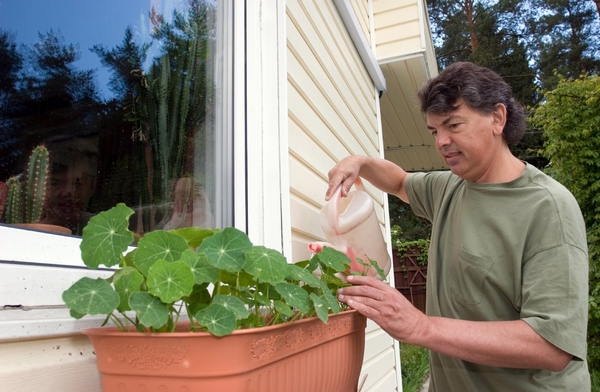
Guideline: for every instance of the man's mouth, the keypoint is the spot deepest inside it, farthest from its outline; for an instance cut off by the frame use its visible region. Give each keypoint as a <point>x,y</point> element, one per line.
<point>450,156</point>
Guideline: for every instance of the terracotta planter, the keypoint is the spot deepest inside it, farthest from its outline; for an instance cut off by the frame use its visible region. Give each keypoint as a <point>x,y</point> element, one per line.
<point>303,356</point>
<point>45,227</point>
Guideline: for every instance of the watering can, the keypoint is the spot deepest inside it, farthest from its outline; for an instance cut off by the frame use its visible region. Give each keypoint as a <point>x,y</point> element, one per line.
<point>351,226</point>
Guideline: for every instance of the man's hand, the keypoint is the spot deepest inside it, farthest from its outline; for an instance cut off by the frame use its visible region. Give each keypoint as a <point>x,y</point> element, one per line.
<point>384,305</point>
<point>345,173</point>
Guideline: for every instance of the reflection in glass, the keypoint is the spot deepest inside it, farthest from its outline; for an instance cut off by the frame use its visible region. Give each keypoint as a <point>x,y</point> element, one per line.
<point>125,103</point>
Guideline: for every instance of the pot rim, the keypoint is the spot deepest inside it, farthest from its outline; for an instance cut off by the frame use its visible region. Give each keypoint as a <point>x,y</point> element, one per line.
<point>115,331</point>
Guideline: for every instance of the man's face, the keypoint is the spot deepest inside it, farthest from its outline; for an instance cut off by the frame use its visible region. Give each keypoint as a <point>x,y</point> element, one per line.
<point>468,141</point>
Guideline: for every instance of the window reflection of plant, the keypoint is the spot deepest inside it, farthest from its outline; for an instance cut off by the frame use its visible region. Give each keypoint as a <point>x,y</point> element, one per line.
<point>170,104</point>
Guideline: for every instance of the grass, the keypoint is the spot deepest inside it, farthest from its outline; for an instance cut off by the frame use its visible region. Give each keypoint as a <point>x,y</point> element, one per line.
<point>595,376</point>
<point>415,366</point>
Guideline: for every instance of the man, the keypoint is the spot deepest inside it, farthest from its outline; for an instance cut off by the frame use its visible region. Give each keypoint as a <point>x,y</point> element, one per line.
<point>508,266</point>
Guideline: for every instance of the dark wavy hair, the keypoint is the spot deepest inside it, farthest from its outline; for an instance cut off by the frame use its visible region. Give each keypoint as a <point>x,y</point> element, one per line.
<point>481,89</point>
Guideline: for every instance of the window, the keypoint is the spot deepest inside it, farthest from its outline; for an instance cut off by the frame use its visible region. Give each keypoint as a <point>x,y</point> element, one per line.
<point>131,103</point>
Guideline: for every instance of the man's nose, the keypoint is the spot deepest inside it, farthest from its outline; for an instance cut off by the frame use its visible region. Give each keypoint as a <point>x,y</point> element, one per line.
<point>442,139</point>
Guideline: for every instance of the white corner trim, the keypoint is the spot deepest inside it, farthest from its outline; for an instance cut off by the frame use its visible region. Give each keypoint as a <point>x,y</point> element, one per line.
<point>360,42</point>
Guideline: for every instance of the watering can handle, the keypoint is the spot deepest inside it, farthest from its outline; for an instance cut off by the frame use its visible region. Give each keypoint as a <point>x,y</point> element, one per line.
<point>332,208</point>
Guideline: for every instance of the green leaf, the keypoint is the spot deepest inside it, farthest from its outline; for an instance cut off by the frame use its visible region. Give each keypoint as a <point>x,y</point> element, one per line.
<point>198,263</point>
<point>380,271</point>
<point>199,298</point>
<point>76,315</point>
<point>170,281</point>
<point>234,304</point>
<point>225,250</point>
<point>217,319</point>
<point>303,275</point>
<point>333,259</point>
<point>150,311</point>
<point>194,235</point>
<point>127,281</point>
<point>320,307</point>
<point>333,280</point>
<point>158,245</point>
<point>106,237</point>
<point>283,308</point>
<point>91,296</point>
<point>267,265</point>
<point>294,296</point>
<point>330,298</point>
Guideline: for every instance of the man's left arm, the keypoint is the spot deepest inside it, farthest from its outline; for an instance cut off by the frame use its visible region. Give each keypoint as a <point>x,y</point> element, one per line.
<point>510,344</point>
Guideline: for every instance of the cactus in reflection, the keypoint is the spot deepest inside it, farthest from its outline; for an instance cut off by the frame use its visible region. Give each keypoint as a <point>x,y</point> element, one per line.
<point>25,202</point>
<point>14,204</point>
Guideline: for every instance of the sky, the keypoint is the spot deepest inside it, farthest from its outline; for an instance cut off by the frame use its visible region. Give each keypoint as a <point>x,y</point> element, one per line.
<point>82,22</point>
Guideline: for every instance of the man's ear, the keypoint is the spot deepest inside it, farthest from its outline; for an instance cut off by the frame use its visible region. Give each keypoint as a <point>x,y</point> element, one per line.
<point>499,118</point>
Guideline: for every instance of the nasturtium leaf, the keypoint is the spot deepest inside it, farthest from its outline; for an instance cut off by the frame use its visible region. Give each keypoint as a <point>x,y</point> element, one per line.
<point>283,308</point>
<point>375,265</point>
<point>76,315</point>
<point>128,258</point>
<point>328,296</point>
<point>320,307</point>
<point>194,235</point>
<point>267,265</point>
<point>199,299</point>
<point>294,296</point>
<point>268,290</point>
<point>226,249</point>
<point>106,237</point>
<point>262,299</point>
<point>158,245</point>
<point>333,280</point>
<point>234,304</point>
<point>303,275</point>
<point>217,319</point>
<point>170,281</point>
<point>91,296</point>
<point>203,272</point>
<point>127,280</point>
<point>237,279</point>
<point>334,259</point>
<point>150,311</point>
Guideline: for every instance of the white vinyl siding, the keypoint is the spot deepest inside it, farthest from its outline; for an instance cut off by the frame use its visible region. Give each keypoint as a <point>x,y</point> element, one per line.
<point>332,113</point>
<point>361,9</point>
<point>398,27</point>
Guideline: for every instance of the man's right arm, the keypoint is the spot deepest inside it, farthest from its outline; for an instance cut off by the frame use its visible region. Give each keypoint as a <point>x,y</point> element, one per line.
<point>383,174</point>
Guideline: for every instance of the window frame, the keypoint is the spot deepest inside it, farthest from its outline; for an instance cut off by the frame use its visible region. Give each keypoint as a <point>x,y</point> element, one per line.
<point>38,266</point>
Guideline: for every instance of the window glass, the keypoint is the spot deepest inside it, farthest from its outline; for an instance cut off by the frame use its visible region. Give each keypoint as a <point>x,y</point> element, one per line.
<point>119,102</point>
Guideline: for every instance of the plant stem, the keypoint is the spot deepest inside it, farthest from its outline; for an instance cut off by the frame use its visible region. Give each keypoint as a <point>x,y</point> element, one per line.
<point>117,322</point>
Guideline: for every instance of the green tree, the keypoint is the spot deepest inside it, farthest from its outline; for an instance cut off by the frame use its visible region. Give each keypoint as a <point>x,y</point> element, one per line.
<point>570,118</point>
<point>121,60</point>
<point>563,37</point>
<point>11,63</point>
<point>408,226</point>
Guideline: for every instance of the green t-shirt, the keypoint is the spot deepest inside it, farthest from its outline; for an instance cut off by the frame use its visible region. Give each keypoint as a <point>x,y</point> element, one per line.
<point>508,251</point>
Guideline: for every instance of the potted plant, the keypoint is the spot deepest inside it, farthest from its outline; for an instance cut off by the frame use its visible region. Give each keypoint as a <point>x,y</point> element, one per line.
<point>26,200</point>
<point>253,315</point>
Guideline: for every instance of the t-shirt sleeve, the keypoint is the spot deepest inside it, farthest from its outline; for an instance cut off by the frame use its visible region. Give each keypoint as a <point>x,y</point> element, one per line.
<point>425,192</point>
<point>554,297</point>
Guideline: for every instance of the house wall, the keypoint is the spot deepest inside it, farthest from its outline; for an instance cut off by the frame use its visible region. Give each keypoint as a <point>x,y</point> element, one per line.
<point>332,113</point>
<point>398,27</point>
<point>362,10</point>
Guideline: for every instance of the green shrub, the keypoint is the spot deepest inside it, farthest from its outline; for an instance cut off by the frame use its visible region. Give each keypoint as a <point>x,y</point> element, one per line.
<point>570,119</point>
